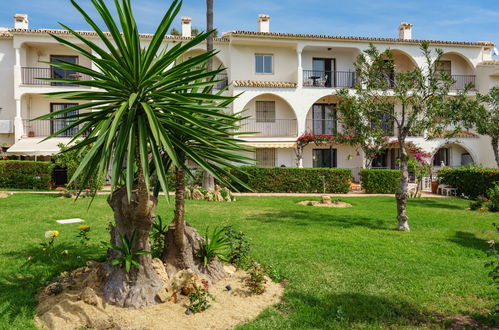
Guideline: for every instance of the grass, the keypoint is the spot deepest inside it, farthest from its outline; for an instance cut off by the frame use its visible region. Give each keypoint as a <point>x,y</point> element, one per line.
<point>347,268</point>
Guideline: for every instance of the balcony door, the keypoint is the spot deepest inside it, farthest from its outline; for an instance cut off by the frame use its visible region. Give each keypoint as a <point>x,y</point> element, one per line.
<point>324,118</point>
<point>60,121</point>
<point>324,69</point>
<point>58,73</point>
<point>324,158</point>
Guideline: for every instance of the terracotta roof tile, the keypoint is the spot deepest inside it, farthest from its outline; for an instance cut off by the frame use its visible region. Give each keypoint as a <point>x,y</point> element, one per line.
<point>271,84</point>
<point>351,38</point>
<point>92,33</point>
<point>489,62</point>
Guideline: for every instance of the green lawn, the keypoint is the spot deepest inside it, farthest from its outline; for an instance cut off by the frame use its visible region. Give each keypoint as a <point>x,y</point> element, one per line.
<point>346,267</point>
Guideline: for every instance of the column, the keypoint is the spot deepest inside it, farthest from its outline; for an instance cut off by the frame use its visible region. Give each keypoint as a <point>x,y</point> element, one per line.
<point>18,122</point>
<point>300,69</point>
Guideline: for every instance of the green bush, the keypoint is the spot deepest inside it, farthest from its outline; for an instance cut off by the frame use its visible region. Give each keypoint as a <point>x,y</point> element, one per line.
<point>470,181</point>
<point>294,180</point>
<point>380,181</point>
<point>493,195</point>
<point>25,174</point>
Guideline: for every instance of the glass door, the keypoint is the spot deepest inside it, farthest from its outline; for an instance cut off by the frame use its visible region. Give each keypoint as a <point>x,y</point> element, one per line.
<point>324,158</point>
<point>58,73</point>
<point>60,121</point>
<point>324,118</point>
<point>324,71</point>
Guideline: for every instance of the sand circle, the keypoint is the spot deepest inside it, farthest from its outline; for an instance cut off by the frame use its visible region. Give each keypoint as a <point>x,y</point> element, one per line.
<point>326,201</point>
<point>80,304</point>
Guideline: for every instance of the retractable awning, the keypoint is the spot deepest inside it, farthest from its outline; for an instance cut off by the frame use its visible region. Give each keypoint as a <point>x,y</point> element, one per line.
<point>34,146</point>
<point>272,145</point>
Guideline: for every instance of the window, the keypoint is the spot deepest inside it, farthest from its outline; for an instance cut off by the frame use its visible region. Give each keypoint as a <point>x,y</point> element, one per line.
<point>444,67</point>
<point>263,63</point>
<point>324,118</point>
<point>58,73</point>
<point>60,121</point>
<point>265,157</point>
<point>265,111</point>
<point>324,158</point>
<point>441,156</point>
<point>323,71</point>
<point>386,122</point>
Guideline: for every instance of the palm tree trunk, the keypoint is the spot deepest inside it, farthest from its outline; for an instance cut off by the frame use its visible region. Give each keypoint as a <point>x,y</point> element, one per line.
<point>402,193</point>
<point>139,287</point>
<point>495,147</point>
<point>208,180</point>
<point>182,241</point>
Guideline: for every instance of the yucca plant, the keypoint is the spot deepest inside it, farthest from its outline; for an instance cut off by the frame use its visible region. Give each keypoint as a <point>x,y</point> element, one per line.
<point>128,254</point>
<point>146,111</point>
<point>215,246</point>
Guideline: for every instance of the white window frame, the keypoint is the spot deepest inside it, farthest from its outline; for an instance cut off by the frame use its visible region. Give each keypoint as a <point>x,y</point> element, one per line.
<point>263,62</point>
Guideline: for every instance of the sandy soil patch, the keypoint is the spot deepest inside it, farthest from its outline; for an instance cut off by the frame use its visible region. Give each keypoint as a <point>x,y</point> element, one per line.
<point>80,304</point>
<point>320,204</point>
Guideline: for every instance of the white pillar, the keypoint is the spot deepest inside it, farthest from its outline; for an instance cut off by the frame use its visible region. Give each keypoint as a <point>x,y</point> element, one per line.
<point>18,122</point>
<point>300,69</point>
<point>300,165</point>
<point>17,68</point>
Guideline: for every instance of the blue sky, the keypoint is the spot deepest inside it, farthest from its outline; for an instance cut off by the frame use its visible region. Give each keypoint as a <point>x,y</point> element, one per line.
<point>461,20</point>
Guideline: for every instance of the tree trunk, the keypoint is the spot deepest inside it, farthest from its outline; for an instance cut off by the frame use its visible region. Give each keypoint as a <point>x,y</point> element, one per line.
<point>402,193</point>
<point>208,181</point>
<point>209,28</point>
<point>182,241</point>
<point>495,147</point>
<point>139,287</point>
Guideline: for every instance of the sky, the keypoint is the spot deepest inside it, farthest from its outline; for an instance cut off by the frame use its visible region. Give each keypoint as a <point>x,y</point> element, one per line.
<point>456,20</point>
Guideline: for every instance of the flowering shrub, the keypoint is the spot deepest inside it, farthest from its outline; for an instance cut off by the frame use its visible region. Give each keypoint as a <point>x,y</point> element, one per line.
<point>48,246</point>
<point>470,181</point>
<point>83,234</point>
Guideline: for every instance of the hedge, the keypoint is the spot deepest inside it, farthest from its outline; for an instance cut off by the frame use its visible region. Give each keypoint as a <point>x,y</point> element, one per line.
<point>25,174</point>
<point>470,181</point>
<point>294,180</point>
<point>380,181</point>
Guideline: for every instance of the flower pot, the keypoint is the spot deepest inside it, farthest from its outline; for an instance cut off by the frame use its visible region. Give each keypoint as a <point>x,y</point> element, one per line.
<point>31,134</point>
<point>434,187</point>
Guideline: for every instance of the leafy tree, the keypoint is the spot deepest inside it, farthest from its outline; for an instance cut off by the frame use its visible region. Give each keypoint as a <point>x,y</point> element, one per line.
<point>485,119</point>
<point>144,105</point>
<point>70,160</point>
<point>421,98</point>
<point>175,32</point>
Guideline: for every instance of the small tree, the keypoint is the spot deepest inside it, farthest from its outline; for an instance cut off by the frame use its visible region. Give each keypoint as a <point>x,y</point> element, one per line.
<point>422,99</point>
<point>485,119</point>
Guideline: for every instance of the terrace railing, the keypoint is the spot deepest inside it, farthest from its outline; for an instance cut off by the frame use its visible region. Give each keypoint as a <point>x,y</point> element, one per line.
<point>30,76</point>
<point>270,128</point>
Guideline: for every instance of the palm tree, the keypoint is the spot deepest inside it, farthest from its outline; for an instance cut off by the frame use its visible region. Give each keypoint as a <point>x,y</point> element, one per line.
<point>144,105</point>
<point>208,181</point>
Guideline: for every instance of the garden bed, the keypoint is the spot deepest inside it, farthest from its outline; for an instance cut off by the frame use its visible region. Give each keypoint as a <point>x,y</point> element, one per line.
<point>80,305</point>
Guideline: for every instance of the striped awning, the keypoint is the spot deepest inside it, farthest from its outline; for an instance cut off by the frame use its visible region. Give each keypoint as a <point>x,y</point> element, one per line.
<point>273,145</point>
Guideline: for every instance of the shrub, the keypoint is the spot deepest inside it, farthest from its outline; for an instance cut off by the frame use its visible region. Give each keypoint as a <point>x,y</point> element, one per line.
<point>380,181</point>
<point>470,181</point>
<point>25,174</point>
<point>299,180</point>
<point>70,160</point>
<point>478,203</point>
<point>239,246</point>
<point>493,195</point>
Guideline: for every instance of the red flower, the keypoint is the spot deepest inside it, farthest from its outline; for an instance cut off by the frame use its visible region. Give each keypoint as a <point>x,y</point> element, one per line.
<point>491,174</point>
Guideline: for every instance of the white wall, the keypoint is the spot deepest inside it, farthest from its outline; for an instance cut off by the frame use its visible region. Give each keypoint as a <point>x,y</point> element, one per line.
<point>7,102</point>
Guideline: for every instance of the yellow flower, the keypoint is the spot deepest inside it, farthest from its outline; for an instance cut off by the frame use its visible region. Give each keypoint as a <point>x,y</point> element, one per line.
<point>44,249</point>
<point>56,233</point>
<point>83,227</point>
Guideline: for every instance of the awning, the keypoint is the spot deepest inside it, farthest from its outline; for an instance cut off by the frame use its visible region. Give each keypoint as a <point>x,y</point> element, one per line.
<point>273,145</point>
<point>33,146</point>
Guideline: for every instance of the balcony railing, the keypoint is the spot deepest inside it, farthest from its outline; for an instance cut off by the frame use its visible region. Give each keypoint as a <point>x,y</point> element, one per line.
<point>277,127</point>
<point>341,79</point>
<point>30,76</point>
<point>223,83</point>
<point>461,81</point>
<point>44,128</point>
<point>321,126</point>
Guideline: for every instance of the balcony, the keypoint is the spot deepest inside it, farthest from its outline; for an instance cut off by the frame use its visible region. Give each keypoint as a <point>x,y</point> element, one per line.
<point>333,79</point>
<point>275,128</point>
<point>321,126</point>
<point>461,81</point>
<point>44,128</point>
<point>223,83</point>
<point>31,76</point>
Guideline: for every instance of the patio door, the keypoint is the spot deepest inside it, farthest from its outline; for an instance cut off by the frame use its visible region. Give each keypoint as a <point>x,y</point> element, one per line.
<point>60,121</point>
<point>324,158</point>
<point>324,118</point>
<point>324,68</point>
<point>58,73</point>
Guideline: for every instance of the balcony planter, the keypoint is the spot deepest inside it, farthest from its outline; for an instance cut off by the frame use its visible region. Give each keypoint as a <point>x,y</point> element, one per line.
<point>434,186</point>
<point>31,134</point>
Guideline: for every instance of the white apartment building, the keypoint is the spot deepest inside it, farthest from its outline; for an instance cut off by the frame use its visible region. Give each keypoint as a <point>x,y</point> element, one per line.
<point>288,84</point>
